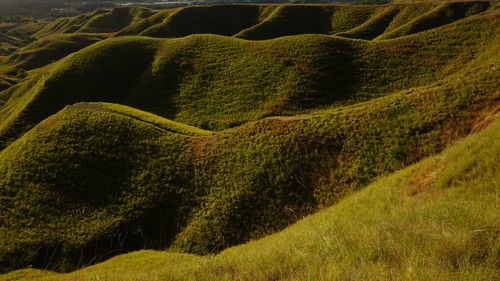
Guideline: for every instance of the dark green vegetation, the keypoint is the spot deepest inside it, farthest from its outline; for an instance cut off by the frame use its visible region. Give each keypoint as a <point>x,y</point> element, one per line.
<point>259,132</point>
<point>436,220</point>
<point>237,81</point>
<point>49,49</point>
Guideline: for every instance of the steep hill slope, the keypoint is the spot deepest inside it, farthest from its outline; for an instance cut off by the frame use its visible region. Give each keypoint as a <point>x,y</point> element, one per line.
<point>116,169</point>
<point>9,44</point>
<point>99,21</point>
<point>238,80</point>
<point>47,50</point>
<point>220,19</point>
<point>257,22</point>
<point>438,16</point>
<point>436,220</point>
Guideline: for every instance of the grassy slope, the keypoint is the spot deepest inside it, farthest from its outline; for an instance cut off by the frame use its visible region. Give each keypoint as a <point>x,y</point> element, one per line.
<point>251,21</point>
<point>140,25</point>
<point>25,30</point>
<point>291,20</point>
<point>115,20</point>
<point>257,22</point>
<point>9,44</point>
<point>436,220</point>
<point>239,81</point>
<point>99,21</point>
<point>124,166</point>
<point>220,19</point>
<point>47,50</point>
<point>373,27</point>
<point>441,15</point>
<point>213,199</point>
<point>66,25</point>
<point>223,188</point>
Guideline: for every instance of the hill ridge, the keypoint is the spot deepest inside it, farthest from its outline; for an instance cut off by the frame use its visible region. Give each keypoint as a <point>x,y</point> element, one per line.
<point>351,55</point>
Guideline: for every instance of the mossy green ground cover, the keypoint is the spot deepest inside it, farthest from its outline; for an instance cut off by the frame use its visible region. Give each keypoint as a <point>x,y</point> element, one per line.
<point>257,22</point>
<point>47,50</point>
<point>259,133</point>
<point>238,80</point>
<point>118,174</point>
<point>436,220</point>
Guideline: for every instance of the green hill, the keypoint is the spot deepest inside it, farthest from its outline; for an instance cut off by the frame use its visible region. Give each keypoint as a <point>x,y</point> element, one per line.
<point>217,189</point>
<point>436,220</point>
<point>251,22</point>
<point>99,21</point>
<point>220,19</point>
<point>238,80</point>
<point>8,44</point>
<point>49,49</point>
<point>258,22</point>
<point>127,129</point>
<point>440,15</point>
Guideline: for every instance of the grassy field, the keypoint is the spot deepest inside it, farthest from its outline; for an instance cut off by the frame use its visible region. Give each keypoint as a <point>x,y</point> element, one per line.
<point>127,129</point>
<point>237,80</point>
<point>224,188</point>
<point>436,220</point>
<point>47,50</point>
<point>252,22</point>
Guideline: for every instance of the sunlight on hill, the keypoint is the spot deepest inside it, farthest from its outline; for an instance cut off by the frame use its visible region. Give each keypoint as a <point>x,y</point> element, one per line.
<point>289,130</point>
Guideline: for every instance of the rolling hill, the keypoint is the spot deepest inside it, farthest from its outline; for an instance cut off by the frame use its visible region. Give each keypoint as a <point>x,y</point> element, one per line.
<point>133,129</point>
<point>239,81</point>
<point>436,220</point>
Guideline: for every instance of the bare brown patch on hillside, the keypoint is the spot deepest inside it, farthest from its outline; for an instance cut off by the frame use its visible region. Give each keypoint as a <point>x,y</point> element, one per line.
<point>487,116</point>
<point>48,123</point>
<point>202,144</point>
<point>421,180</point>
<point>187,64</point>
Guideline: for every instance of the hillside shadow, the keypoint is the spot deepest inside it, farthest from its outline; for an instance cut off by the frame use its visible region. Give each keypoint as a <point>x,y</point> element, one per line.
<point>332,78</point>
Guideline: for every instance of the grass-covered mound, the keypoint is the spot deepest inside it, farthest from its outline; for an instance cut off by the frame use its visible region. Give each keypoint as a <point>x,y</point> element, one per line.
<point>143,24</point>
<point>273,21</point>
<point>291,20</point>
<point>258,22</point>
<point>440,15</point>
<point>76,188</point>
<point>9,44</point>
<point>373,27</point>
<point>436,220</point>
<point>25,29</point>
<point>67,24</point>
<point>237,80</point>
<point>115,20</point>
<point>47,50</point>
<point>99,21</point>
<point>220,19</point>
<point>128,179</point>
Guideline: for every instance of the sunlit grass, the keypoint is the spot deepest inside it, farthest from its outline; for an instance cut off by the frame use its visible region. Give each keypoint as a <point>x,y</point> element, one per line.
<point>416,224</point>
<point>259,134</point>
